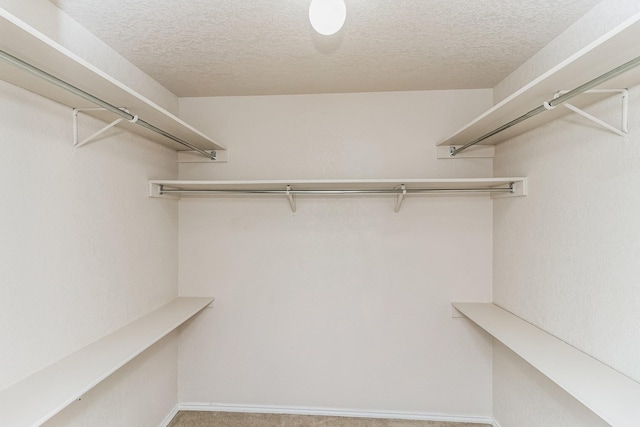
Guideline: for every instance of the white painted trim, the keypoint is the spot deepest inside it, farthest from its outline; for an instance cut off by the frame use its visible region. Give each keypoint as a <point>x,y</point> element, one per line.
<point>167,420</point>
<point>331,412</point>
<point>495,423</point>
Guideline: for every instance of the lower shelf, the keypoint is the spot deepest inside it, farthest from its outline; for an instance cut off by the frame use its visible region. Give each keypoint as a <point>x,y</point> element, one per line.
<point>37,398</point>
<point>612,396</point>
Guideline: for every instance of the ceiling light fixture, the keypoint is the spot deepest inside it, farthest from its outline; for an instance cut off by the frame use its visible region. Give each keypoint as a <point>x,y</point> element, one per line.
<point>327,16</point>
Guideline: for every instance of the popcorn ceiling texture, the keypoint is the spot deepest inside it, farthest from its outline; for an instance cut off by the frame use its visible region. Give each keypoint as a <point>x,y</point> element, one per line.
<point>253,47</point>
<point>575,274</point>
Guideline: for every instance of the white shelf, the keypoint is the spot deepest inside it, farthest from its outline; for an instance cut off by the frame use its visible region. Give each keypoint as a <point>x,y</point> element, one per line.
<point>609,394</point>
<point>331,187</point>
<point>346,184</point>
<point>615,48</point>
<point>36,399</point>
<point>28,44</point>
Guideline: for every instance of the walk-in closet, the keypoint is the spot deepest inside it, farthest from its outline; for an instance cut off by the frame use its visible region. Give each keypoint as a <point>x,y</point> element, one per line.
<point>403,214</point>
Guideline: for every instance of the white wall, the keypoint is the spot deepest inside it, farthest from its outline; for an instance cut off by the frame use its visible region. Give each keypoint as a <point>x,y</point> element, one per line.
<point>565,257</point>
<point>576,272</point>
<point>344,304</point>
<point>83,252</point>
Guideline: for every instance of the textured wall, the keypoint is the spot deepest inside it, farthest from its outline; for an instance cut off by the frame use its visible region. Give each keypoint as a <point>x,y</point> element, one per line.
<point>83,252</point>
<point>576,273</point>
<point>344,304</point>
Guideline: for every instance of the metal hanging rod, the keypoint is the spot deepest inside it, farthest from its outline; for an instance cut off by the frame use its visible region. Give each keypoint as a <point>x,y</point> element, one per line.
<point>91,98</point>
<point>396,191</point>
<point>554,102</point>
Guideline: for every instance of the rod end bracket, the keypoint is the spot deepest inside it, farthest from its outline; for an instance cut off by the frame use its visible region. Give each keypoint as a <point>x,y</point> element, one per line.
<point>475,152</point>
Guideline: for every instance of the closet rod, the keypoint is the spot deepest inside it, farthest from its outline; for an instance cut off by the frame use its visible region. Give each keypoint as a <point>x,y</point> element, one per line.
<point>344,192</point>
<point>91,98</point>
<point>555,102</point>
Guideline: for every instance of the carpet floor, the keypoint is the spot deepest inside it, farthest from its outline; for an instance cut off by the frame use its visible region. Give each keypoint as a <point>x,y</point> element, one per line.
<point>232,419</point>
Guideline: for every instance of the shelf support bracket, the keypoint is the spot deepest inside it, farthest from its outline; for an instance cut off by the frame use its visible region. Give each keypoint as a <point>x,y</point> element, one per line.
<point>624,127</point>
<point>292,200</point>
<point>400,197</point>
<point>88,139</point>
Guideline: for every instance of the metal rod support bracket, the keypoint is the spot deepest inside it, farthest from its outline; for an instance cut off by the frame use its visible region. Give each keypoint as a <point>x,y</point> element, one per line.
<point>292,200</point>
<point>624,125</point>
<point>400,197</point>
<point>90,138</point>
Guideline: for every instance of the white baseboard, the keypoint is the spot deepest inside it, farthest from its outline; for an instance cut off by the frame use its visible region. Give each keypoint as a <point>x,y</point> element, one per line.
<point>496,423</point>
<point>167,420</point>
<point>295,410</point>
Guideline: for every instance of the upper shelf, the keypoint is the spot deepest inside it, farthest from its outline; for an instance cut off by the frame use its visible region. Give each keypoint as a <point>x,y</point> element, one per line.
<point>613,49</point>
<point>609,394</point>
<point>28,44</point>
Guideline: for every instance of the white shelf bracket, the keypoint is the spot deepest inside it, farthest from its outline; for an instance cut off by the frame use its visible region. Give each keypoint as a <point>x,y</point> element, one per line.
<point>400,197</point>
<point>624,126</point>
<point>88,139</point>
<point>292,200</point>
<point>476,152</point>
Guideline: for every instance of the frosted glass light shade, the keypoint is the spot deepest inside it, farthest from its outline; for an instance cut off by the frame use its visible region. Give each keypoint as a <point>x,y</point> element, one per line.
<point>327,16</point>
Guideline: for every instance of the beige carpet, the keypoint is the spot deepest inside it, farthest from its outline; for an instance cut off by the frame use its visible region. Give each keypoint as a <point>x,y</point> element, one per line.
<point>230,419</point>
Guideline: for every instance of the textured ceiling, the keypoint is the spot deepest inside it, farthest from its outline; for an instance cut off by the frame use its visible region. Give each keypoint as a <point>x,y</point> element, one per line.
<point>255,47</point>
